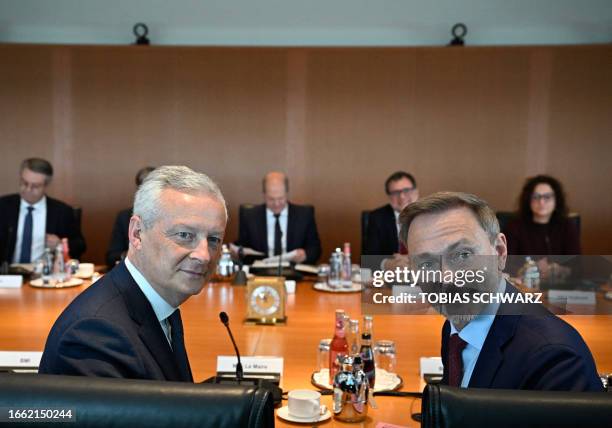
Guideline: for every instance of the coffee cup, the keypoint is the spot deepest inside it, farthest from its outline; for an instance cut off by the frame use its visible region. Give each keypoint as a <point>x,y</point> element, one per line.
<point>304,403</point>
<point>86,270</point>
<point>290,286</point>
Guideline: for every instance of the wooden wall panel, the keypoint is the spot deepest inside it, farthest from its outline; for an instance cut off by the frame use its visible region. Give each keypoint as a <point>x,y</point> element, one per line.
<point>338,120</point>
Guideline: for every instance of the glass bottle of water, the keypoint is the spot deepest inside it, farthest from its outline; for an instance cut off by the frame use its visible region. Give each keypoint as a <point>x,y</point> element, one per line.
<point>335,269</point>
<point>531,274</point>
<point>225,266</point>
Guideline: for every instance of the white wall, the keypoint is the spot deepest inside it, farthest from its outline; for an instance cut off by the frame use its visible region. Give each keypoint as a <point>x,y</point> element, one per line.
<point>307,22</point>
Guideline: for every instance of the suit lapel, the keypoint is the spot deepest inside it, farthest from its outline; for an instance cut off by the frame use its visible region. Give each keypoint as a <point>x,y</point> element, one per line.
<point>291,224</point>
<point>491,355</point>
<point>149,330</point>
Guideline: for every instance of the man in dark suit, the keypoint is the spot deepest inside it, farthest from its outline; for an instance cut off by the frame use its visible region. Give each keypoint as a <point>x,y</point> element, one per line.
<point>278,227</point>
<point>383,226</point>
<point>128,323</point>
<point>119,243</point>
<point>490,345</point>
<point>30,221</point>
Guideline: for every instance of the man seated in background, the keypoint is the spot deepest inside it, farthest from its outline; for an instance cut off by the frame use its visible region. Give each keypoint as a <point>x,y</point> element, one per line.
<point>31,221</point>
<point>382,233</point>
<point>119,243</point>
<point>383,223</point>
<point>506,346</point>
<point>128,324</point>
<point>278,226</point>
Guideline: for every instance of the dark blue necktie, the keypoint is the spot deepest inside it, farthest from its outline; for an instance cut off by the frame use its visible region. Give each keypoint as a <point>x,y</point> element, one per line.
<point>278,244</point>
<point>26,238</point>
<point>178,345</point>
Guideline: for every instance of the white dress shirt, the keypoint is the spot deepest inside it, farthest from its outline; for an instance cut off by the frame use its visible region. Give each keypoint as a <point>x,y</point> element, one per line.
<point>270,223</point>
<point>161,308</point>
<point>39,225</point>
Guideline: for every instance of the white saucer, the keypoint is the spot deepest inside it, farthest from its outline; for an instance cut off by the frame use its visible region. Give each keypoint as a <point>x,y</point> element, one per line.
<point>324,286</point>
<point>72,282</point>
<point>283,413</point>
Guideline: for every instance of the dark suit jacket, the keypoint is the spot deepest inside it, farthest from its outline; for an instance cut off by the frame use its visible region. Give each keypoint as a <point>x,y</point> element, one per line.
<point>60,221</point>
<point>301,230</point>
<point>110,330</point>
<point>119,242</point>
<point>535,350</point>
<point>381,233</point>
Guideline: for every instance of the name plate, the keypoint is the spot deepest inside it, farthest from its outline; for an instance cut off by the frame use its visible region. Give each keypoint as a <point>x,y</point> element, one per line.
<point>572,297</point>
<point>431,366</point>
<point>11,281</point>
<point>20,359</point>
<point>255,364</point>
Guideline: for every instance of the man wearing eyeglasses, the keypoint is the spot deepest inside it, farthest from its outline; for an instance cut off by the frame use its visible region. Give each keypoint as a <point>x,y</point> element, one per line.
<point>383,227</point>
<point>30,221</point>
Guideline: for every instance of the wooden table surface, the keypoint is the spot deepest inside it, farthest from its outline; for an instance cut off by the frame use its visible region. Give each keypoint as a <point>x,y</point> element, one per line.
<point>28,314</point>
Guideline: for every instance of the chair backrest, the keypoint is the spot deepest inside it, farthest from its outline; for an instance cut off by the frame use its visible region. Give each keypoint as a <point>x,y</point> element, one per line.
<point>448,407</point>
<point>105,402</point>
<point>365,219</point>
<point>77,212</point>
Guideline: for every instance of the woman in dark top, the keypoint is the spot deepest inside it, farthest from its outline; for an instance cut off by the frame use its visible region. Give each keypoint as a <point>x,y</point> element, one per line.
<point>542,226</point>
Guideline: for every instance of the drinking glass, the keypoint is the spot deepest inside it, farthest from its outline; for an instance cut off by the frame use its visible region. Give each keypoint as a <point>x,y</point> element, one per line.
<point>385,355</point>
<point>323,354</point>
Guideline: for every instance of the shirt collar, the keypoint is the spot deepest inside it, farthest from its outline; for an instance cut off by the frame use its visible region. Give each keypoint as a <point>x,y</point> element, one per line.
<point>475,332</point>
<point>37,206</point>
<point>161,308</point>
<point>283,213</point>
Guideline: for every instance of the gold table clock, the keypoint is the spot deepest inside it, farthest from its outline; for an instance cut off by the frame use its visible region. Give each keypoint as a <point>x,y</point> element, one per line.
<point>266,300</point>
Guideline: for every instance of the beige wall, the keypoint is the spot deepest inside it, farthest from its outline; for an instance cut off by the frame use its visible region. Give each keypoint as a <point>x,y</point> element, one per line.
<point>339,121</point>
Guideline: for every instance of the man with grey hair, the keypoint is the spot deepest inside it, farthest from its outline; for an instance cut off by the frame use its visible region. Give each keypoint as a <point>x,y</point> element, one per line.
<point>503,345</point>
<point>128,323</point>
<point>30,220</point>
<point>279,227</point>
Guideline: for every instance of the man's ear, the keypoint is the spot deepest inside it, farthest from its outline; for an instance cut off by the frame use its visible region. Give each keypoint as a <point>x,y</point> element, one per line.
<point>501,248</point>
<point>135,231</point>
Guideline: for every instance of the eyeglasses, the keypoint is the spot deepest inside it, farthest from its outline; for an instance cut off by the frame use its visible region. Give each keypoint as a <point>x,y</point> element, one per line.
<point>536,197</point>
<point>404,191</point>
<point>31,186</point>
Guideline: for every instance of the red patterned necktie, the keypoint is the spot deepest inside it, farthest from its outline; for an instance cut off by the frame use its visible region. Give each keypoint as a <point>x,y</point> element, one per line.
<point>455,363</point>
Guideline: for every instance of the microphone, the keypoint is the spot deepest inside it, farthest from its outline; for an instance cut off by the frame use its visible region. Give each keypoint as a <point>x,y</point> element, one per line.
<point>225,320</point>
<point>270,384</point>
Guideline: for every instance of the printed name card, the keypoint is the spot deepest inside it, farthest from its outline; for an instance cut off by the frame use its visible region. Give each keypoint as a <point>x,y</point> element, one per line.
<point>11,281</point>
<point>572,297</point>
<point>256,364</point>
<point>20,359</point>
<point>431,366</point>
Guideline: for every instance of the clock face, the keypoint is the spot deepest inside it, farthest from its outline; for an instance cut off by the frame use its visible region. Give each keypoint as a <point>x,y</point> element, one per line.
<point>265,300</point>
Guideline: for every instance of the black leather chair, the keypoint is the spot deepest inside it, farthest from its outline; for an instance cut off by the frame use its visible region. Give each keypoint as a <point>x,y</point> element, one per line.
<point>365,219</point>
<point>107,403</point>
<point>448,407</point>
<point>77,212</point>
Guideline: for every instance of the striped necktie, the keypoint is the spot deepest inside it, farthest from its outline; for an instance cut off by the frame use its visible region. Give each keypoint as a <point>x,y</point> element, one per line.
<point>26,237</point>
